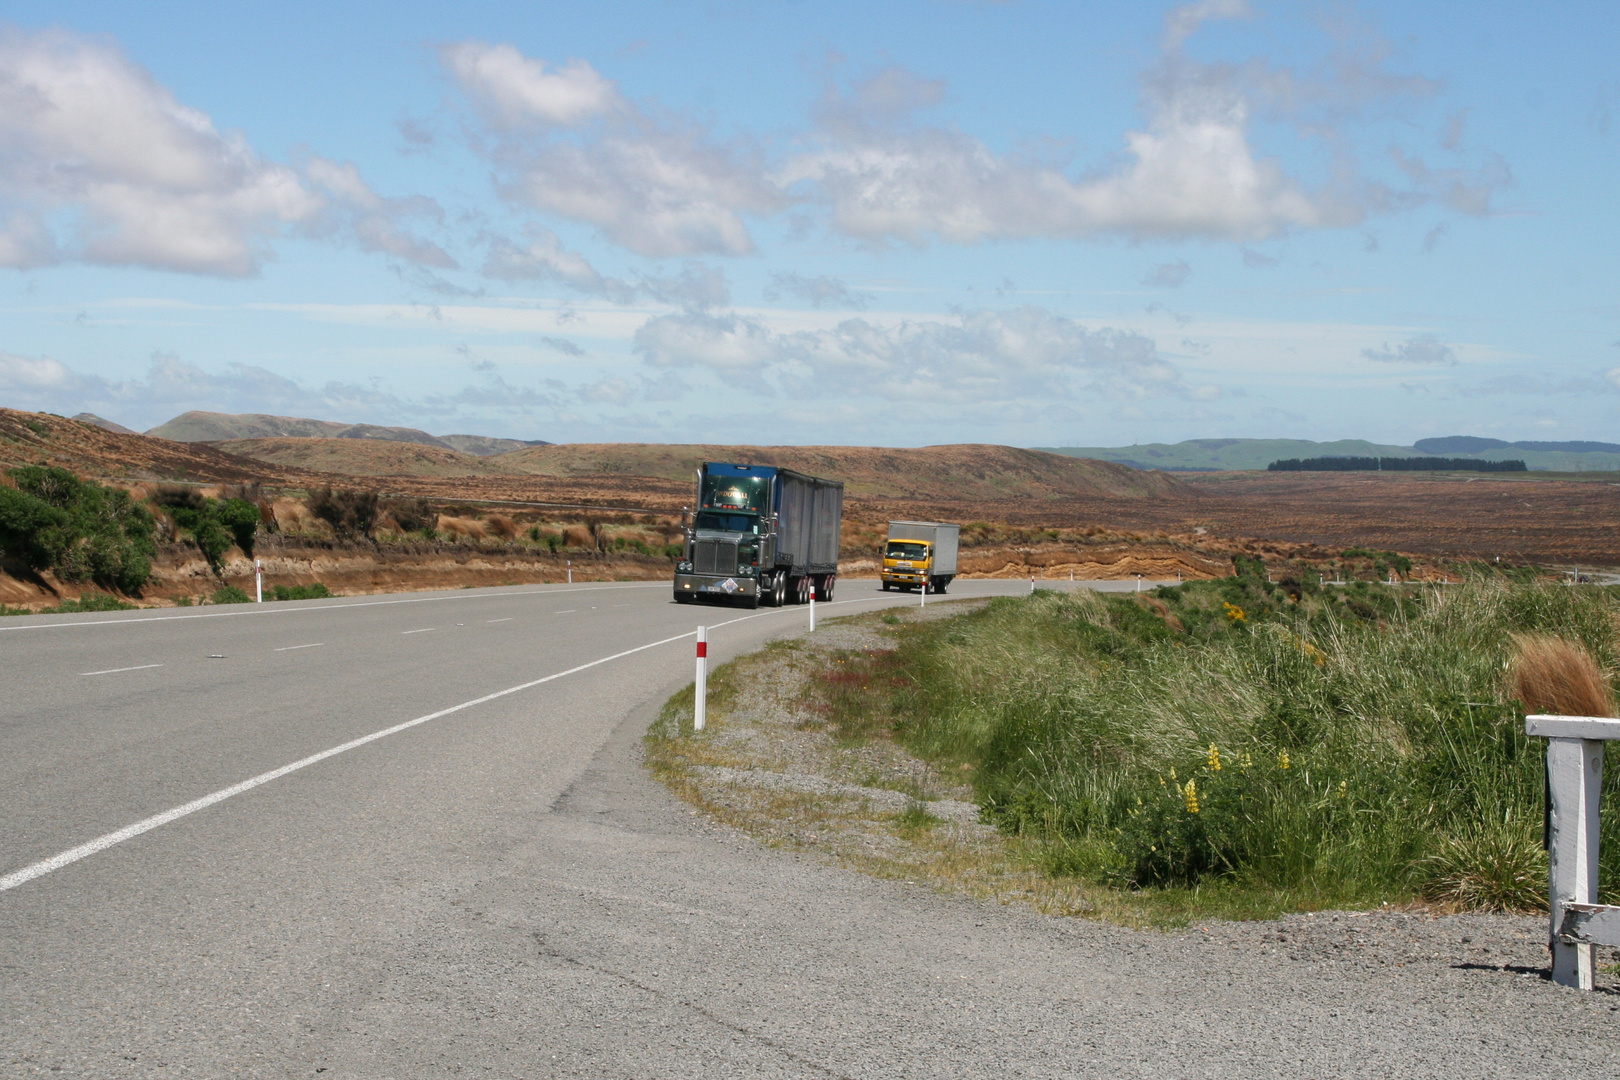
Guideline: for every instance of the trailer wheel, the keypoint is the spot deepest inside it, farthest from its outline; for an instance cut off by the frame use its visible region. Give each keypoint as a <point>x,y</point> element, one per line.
<point>827,587</point>
<point>885,586</point>
<point>801,590</point>
<point>944,581</point>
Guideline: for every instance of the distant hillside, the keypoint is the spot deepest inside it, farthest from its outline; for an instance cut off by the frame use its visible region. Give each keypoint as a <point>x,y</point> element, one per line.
<point>103,423</point>
<point>28,438</point>
<point>362,457</point>
<point>1228,453</point>
<point>1206,454</point>
<point>963,472</point>
<point>197,426</point>
<point>486,446</point>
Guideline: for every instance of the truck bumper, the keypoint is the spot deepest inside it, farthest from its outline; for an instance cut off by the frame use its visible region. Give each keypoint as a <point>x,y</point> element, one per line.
<point>904,577</point>
<point>716,585</point>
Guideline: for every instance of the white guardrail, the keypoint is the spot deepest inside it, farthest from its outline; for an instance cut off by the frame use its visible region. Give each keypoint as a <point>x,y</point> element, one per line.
<point>1574,790</point>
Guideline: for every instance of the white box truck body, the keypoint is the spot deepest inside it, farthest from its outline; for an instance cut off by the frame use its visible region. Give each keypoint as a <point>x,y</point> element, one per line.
<point>920,555</point>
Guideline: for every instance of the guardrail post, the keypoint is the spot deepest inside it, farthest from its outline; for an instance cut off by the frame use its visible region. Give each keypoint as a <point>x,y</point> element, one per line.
<point>1576,922</point>
<point>700,691</point>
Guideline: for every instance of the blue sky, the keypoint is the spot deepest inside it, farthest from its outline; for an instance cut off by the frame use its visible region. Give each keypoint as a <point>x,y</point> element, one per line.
<point>896,224</point>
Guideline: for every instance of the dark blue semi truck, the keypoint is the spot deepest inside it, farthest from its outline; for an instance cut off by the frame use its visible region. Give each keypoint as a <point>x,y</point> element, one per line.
<point>761,534</point>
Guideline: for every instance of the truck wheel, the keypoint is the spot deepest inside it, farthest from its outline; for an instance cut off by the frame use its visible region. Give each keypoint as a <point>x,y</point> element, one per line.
<point>885,586</point>
<point>751,602</point>
<point>827,584</point>
<point>683,598</point>
<point>943,582</point>
<point>801,592</point>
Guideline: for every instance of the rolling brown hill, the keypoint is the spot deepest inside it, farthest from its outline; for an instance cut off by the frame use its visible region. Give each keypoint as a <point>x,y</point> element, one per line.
<point>966,472</point>
<point>199,426</point>
<point>362,457</point>
<point>28,438</point>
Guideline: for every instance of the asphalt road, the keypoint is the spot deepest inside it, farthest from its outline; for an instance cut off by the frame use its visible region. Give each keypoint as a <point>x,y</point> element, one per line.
<point>501,891</point>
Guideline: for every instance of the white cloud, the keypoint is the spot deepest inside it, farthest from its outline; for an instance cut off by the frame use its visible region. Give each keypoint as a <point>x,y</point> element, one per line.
<point>657,185</point>
<point>372,220</point>
<point>985,356</point>
<point>1168,275</point>
<point>142,179</point>
<point>1424,349</point>
<point>513,90</point>
<point>820,291</point>
<point>543,258</point>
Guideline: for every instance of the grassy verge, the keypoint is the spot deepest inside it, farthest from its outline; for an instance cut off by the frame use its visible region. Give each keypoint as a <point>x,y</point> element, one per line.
<point>1232,749</point>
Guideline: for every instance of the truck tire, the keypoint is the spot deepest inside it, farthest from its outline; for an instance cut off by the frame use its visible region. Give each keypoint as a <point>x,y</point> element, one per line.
<point>779,595</point>
<point>683,598</point>
<point>751,602</point>
<point>827,584</point>
<point>885,586</point>
<point>943,582</point>
<point>801,590</point>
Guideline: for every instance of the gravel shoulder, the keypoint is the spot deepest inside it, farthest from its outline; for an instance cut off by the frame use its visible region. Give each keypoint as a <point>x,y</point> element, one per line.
<point>768,768</point>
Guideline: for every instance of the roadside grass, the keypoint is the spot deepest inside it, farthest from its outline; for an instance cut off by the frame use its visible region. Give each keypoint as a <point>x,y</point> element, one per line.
<point>230,594</point>
<point>316,591</point>
<point>1230,749</point>
<point>1241,744</point>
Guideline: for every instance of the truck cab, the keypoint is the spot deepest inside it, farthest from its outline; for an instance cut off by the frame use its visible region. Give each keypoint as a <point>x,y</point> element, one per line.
<point>906,563</point>
<point>760,534</point>
<point>920,555</point>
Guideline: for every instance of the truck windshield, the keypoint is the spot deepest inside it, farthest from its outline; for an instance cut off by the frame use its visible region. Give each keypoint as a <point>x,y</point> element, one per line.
<point>735,493</point>
<point>737,523</point>
<point>907,549</point>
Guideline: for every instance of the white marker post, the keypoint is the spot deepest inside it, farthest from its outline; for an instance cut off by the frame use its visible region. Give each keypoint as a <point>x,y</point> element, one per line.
<point>570,571</point>
<point>922,593</point>
<point>812,607</point>
<point>258,581</point>
<point>1575,788</point>
<point>1138,582</point>
<point>700,693</point>
<point>1032,584</point>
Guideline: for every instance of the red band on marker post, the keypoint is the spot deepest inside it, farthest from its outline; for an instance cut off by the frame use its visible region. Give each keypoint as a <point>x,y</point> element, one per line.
<point>703,648</point>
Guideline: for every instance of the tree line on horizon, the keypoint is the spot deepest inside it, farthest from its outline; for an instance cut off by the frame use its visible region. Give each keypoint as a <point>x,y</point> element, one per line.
<point>1393,464</point>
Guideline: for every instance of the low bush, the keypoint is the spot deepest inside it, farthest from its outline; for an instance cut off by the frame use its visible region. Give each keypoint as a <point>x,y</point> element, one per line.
<point>1335,747</point>
<point>213,524</point>
<point>90,602</point>
<point>52,520</point>
<point>230,594</point>
<point>316,591</point>
<point>351,514</point>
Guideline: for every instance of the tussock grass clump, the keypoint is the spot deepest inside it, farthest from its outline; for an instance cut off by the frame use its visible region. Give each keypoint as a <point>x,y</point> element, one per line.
<point>316,591</point>
<point>1552,675</point>
<point>1346,746</point>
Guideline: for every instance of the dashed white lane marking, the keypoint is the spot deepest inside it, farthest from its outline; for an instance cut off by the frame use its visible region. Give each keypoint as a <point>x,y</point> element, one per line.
<point>102,843</point>
<point>311,645</point>
<point>570,611</point>
<point>116,670</point>
<point>424,630</point>
<point>509,618</point>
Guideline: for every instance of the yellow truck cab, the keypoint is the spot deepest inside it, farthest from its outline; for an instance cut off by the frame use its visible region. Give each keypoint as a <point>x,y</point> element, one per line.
<point>919,555</point>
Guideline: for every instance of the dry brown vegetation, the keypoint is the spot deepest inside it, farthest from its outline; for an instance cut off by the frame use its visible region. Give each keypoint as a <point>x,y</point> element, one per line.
<point>361,457</point>
<point>1554,675</point>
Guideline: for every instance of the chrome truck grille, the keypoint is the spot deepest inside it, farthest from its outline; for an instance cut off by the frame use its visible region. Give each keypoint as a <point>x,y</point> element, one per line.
<point>714,557</point>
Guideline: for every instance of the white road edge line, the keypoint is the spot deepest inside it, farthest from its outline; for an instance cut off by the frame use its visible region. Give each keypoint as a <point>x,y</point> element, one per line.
<point>287,609</point>
<point>311,645</point>
<point>116,670</point>
<point>128,832</point>
<point>509,618</point>
<point>570,611</point>
<point>424,630</point>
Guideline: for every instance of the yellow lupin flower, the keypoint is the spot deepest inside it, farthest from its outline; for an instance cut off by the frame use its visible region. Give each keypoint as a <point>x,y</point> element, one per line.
<point>1282,760</point>
<point>1190,792</point>
<point>1344,788</point>
<point>1235,613</point>
<point>1214,758</point>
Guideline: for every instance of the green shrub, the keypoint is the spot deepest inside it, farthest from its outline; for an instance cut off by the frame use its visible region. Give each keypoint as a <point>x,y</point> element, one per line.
<point>352,514</point>
<point>230,594</point>
<point>316,591</point>
<point>213,524</point>
<point>1342,747</point>
<point>52,520</point>
<point>90,602</point>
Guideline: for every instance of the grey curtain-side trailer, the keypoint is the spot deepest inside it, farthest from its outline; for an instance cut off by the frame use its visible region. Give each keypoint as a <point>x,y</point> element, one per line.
<point>761,534</point>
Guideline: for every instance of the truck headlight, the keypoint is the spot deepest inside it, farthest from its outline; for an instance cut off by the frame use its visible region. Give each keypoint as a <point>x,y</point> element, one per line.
<point>683,567</point>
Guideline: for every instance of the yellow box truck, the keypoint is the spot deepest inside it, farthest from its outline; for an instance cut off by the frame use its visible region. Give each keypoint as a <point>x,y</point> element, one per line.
<point>920,555</point>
